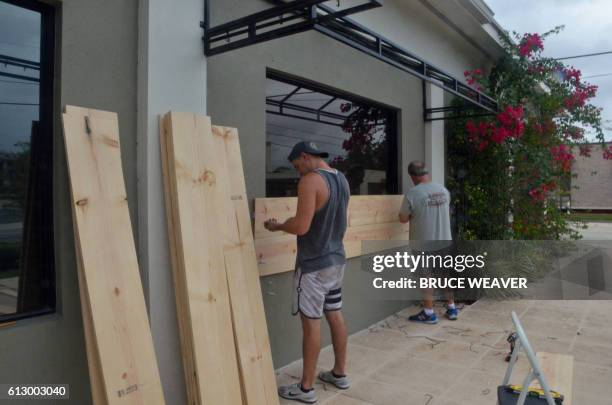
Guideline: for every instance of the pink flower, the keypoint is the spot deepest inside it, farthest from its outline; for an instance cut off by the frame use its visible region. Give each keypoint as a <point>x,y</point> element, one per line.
<point>529,44</point>
<point>572,74</point>
<point>536,194</point>
<point>561,155</point>
<point>574,133</point>
<point>473,76</point>
<point>607,153</point>
<point>580,96</point>
<point>509,124</point>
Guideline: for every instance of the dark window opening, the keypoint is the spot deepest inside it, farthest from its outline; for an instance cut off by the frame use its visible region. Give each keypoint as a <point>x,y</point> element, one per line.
<point>360,135</point>
<point>27,277</point>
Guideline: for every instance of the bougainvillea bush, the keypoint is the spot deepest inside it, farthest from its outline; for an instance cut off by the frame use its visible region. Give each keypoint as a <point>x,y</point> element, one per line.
<point>510,173</point>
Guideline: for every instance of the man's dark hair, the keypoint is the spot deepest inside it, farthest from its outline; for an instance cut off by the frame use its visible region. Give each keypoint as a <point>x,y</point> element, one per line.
<point>417,168</point>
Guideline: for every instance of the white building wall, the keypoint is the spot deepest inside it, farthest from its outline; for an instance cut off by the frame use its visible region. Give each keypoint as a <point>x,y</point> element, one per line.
<point>171,76</point>
<point>414,26</point>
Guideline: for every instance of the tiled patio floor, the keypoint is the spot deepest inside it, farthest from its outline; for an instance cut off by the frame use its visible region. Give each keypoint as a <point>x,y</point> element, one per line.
<point>462,362</point>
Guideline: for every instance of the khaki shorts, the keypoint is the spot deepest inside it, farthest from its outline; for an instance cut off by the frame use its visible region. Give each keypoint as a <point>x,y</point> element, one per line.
<point>318,291</point>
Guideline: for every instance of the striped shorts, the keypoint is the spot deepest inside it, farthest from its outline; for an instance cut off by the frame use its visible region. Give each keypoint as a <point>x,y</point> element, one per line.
<point>317,292</point>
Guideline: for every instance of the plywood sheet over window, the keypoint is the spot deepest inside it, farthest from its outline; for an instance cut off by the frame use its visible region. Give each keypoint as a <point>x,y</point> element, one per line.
<point>369,218</point>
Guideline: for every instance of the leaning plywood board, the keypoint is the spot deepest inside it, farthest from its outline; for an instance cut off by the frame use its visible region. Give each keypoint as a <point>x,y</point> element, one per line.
<point>178,277</point>
<point>559,372</point>
<point>250,358</point>
<point>108,258</point>
<point>228,145</point>
<point>98,396</point>
<point>96,383</point>
<point>199,265</point>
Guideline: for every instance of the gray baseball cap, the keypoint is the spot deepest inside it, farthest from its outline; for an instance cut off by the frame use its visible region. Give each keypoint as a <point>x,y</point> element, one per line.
<point>306,147</point>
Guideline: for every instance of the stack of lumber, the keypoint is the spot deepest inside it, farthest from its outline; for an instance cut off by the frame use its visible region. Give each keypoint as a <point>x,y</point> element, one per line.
<point>121,358</point>
<point>370,218</point>
<point>224,337</point>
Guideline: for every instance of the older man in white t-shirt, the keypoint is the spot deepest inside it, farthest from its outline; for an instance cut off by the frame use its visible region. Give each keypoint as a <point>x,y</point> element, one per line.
<point>427,207</point>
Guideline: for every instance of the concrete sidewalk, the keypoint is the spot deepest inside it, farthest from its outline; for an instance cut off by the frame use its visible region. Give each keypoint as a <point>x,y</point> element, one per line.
<point>462,362</point>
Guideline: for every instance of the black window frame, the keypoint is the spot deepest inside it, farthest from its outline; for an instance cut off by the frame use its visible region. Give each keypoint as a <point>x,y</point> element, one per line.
<point>47,274</point>
<point>393,152</point>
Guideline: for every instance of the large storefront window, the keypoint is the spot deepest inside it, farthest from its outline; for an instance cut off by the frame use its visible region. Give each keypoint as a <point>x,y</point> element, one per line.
<point>360,136</point>
<point>27,284</point>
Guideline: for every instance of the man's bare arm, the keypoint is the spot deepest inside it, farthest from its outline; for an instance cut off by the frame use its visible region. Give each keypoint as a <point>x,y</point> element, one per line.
<point>307,197</point>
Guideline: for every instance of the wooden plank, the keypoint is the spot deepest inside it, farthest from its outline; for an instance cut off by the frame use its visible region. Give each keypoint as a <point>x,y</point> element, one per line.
<point>362,210</point>
<point>200,253</point>
<point>229,146</point>
<point>277,254</point>
<point>96,382</point>
<point>559,372</point>
<point>281,208</point>
<point>249,356</point>
<point>108,257</point>
<point>373,209</point>
<point>355,235</point>
<point>178,276</point>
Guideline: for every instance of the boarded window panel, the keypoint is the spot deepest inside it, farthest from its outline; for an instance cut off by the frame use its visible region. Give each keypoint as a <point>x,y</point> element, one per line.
<point>370,218</point>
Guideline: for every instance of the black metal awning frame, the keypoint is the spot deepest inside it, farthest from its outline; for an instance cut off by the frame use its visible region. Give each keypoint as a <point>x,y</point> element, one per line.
<point>287,108</point>
<point>287,18</point>
<point>24,64</point>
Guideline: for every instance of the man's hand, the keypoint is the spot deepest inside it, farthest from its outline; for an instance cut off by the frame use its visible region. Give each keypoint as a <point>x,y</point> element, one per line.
<point>403,218</point>
<point>272,225</point>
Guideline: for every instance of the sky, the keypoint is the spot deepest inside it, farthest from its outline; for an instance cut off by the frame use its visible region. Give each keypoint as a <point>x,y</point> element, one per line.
<point>19,38</point>
<point>588,29</point>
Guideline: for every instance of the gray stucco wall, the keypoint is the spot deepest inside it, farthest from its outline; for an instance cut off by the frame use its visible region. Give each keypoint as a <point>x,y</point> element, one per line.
<point>98,70</point>
<point>236,97</point>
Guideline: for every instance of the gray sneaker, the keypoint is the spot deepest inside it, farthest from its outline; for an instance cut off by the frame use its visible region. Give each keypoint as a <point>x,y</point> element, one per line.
<point>339,382</point>
<point>295,393</point>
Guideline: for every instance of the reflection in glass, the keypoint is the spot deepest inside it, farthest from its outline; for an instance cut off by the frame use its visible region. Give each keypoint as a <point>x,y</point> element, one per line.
<point>20,37</point>
<point>358,136</point>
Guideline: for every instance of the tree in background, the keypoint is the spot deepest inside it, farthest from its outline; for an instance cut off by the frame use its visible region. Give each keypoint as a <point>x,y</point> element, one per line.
<point>509,173</point>
<point>366,146</point>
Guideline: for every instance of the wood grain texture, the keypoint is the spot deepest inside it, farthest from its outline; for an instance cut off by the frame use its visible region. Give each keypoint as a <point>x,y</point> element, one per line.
<point>370,218</point>
<point>373,209</point>
<point>228,145</point>
<point>178,275</point>
<point>559,372</point>
<point>200,234</point>
<point>96,381</point>
<point>249,355</point>
<point>107,253</point>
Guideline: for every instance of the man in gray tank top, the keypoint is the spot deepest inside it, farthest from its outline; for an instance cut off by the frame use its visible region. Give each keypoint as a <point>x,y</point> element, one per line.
<point>319,223</point>
<point>427,207</point>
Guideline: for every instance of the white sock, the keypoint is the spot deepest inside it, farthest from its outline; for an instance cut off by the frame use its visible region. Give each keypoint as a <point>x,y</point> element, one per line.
<point>451,306</point>
<point>428,311</point>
